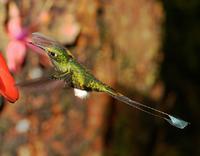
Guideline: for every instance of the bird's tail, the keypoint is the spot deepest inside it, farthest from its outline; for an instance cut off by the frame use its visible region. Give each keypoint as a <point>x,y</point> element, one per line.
<point>179,123</point>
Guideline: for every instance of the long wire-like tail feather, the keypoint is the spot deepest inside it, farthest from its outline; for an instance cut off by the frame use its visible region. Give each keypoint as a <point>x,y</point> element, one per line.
<point>179,123</point>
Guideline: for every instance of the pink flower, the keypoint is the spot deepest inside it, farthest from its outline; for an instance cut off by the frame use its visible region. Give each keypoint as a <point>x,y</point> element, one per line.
<point>16,48</point>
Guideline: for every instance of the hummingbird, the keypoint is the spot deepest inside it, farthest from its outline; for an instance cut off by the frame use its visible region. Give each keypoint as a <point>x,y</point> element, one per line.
<point>75,75</point>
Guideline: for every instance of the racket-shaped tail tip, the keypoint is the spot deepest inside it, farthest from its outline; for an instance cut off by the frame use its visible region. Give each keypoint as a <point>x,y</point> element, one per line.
<point>177,122</point>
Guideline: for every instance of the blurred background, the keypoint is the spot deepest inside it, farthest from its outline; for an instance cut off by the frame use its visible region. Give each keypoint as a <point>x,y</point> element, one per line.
<point>147,49</point>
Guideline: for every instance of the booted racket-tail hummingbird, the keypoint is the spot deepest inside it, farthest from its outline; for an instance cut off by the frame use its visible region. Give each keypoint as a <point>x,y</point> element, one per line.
<point>68,69</point>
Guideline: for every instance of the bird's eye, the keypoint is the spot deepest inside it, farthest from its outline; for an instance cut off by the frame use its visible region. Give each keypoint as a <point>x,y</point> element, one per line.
<point>53,54</point>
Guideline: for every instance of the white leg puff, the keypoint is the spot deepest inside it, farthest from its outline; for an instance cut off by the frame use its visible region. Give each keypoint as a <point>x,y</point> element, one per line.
<point>81,93</point>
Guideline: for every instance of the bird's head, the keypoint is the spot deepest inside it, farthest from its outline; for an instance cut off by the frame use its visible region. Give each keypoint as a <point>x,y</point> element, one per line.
<point>56,52</point>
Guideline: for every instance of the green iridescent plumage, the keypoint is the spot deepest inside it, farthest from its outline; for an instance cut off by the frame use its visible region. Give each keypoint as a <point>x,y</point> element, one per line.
<point>77,76</point>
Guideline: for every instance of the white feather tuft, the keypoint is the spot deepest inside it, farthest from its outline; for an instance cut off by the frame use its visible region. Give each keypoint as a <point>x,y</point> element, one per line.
<point>81,93</point>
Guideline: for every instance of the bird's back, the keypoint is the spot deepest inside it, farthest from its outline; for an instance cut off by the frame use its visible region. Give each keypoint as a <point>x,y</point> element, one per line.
<point>83,79</point>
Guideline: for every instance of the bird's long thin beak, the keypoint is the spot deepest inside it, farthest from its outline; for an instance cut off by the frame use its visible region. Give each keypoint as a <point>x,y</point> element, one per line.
<point>37,45</point>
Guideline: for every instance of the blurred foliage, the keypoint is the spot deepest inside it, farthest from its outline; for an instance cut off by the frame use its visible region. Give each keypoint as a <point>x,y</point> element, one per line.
<point>146,49</point>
